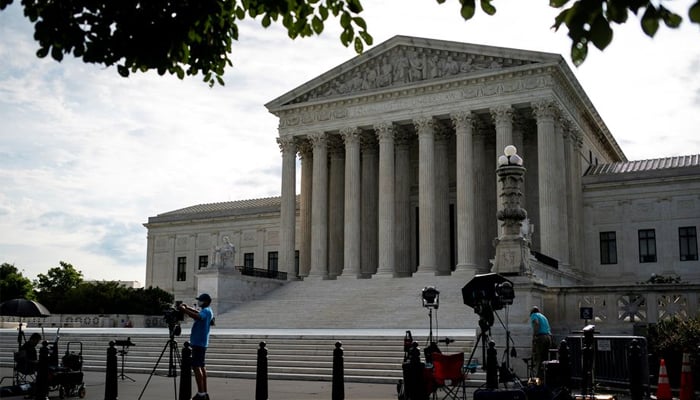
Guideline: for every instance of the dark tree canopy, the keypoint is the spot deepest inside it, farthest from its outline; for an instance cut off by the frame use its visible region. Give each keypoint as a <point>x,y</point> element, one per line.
<point>191,37</point>
<point>13,285</point>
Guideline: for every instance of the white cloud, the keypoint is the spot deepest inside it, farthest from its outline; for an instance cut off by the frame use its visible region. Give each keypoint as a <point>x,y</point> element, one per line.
<point>86,156</point>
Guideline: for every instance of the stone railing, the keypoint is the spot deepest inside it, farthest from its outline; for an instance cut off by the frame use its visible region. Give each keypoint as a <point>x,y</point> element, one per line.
<point>86,321</point>
<point>619,309</point>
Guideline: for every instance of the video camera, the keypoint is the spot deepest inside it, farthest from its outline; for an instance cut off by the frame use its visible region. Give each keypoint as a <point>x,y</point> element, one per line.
<point>487,293</point>
<point>173,317</point>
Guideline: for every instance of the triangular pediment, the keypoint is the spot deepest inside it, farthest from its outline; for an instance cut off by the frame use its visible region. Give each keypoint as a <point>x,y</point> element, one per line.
<point>405,61</point>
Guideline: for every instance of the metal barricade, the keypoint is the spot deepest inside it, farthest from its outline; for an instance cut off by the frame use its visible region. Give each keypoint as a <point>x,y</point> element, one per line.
<point>611,359</point>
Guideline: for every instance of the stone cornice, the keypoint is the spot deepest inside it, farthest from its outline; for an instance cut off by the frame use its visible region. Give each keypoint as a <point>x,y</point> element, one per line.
<point>489,85</point>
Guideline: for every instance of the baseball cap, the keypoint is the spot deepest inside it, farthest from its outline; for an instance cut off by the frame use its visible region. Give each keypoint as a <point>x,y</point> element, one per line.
<point>204,297</point>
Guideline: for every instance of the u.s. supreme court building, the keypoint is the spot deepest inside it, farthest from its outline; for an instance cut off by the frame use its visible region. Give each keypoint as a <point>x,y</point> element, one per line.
<point>398,150</point>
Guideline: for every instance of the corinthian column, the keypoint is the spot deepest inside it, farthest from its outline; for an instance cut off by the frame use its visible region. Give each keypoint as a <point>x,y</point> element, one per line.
<point>386,219</point>
<point>369,212</point>
<point>425,127</point>
<point>442,202</point>
<point>351,249</point>
<point>404,267</point>
<point>319,213</point>
<point>466,227</point>
<point>288,209</point>
<point>335,217</point>
<point>545,112</point>
<point>307,163</point>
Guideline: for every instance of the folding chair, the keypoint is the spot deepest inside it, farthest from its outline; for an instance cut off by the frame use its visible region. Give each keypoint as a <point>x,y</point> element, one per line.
<point>449,377</point>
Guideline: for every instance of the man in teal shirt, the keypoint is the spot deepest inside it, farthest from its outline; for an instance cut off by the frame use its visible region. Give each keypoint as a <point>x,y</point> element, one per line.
<point>199,340</point>
<point>541,340</point>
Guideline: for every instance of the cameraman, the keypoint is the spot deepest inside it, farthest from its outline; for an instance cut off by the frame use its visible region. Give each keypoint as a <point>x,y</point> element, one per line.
<point>199,340</point>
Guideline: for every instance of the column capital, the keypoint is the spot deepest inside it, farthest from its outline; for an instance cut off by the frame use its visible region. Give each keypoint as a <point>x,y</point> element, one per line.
<point>502,114</point>
<point>424,125</point>
<point>545,110</point>
<point>304,147</point>
<point>335,146</point>
<point>442,131</point>
<point>385,131</point>
<point>461,120</point>
<point>350,135</point>
<point>318,139</point>
<point>287,144</point>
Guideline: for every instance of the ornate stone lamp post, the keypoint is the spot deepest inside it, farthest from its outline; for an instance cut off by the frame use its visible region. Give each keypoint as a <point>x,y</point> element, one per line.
<point>512,247</point>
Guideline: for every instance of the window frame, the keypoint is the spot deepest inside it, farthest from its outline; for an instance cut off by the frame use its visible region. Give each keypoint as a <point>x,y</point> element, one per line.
<point>608,242</point>
<point>647,246</point>
<point>181,269</point>
<point>689,240</point>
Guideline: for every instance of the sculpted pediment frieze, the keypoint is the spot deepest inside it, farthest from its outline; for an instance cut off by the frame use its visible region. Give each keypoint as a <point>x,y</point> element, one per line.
<point>404,66</point>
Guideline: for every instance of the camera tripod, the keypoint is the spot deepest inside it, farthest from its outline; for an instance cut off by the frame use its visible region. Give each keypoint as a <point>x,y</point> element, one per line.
<point>125,344</point>
<point>174,360</point>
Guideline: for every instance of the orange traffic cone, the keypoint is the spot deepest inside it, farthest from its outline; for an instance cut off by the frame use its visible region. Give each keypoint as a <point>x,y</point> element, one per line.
<point>663,389</point>
<point>686,379</point>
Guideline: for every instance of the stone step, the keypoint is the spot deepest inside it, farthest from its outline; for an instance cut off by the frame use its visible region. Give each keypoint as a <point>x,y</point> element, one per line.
<point>367,358</point>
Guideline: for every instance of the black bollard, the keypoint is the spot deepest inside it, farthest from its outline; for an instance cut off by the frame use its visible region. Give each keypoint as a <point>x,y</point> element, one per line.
<point>186,372</point>
<point>635,362</point>
<point>41,385</point>
<point>492,366</point>
<point>338,390</point>
<point>111,374</point>
<point>564,364</point>
<point>261,374</point>
<point>413,369</point>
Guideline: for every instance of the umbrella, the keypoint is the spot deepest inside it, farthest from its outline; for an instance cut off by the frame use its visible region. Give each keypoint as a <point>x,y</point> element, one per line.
<point>23,308</point>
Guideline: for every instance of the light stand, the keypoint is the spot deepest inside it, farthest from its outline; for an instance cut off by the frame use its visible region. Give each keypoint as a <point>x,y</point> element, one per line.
<point>125,344</point>
<point>430,298</point>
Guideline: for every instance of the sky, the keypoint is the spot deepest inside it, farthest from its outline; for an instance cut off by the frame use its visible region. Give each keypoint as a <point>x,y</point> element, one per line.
<point>86,156</point>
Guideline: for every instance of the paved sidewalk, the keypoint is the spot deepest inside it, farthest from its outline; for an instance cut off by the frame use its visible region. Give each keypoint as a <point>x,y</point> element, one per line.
<point>162,387</point>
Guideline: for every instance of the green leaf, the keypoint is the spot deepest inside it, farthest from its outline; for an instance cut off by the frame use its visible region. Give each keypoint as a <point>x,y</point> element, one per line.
<point>317,24</point>
<point>694,12</point>
<point>616,12</point>
<point>323,11</point>
<point>359,47</point>
<point>360,22</point>
<point>671,19</point>
<point>123,71</point>
<point>56,54</point>
<point>579,51</point>
<point>354,6</point>
<point>42,52</point>
<point>468,9</point>
<point>367,37</point>
<point>487,7</point>
<point>557,3</point>
<point>266,21</point>
<point>601,33</point>
<point>650,21</point>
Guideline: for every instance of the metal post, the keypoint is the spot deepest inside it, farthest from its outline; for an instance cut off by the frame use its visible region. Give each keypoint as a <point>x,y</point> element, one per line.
<point>492,366</point>
<point>564,364</point>
<point>338,390</point>
<point>186,372</point>
<point>41,388</point>
<point>111,374</point>
<point>636,373</point>
<point>261,374</point>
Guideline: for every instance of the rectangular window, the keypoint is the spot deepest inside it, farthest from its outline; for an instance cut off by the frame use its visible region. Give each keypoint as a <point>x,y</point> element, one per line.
<point>688,242</point>
<point>647,245</point>
<point>182,269</point>
<point>608,248</point>
<point>249,260</point>
<point>203,261</point>
<point>272,261</point>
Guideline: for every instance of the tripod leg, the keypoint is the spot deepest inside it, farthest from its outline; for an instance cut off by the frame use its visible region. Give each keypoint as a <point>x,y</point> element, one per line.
<point>154,369</point>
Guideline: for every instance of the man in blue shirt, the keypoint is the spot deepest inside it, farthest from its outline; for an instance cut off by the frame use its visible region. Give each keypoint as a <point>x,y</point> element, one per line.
<point>541,340</point>
<point>199,340</point>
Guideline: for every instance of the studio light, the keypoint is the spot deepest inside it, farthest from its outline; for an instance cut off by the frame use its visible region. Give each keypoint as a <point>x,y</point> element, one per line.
<point>431,297</point>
